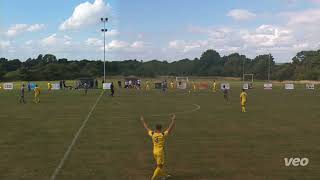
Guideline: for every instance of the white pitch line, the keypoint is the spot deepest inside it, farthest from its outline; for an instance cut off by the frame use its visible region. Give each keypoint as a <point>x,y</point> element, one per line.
<point>74,140</point>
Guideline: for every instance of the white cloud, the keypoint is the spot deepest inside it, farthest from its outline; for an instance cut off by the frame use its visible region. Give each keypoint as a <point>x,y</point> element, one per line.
<point>35,27</point>
<point>5,44</point>
<point>29,42</point>
<point>184,46</point>
<point>241,14</point>
<point>268,36</point>
<point>86,14</point>
<point>117,44</point>
<point>94,42</point>
<point>112,32</point>
<point>138,45</point>
<point>16,29</point>
<point>56,41</point>
<point>21,28</point>
<point>50,40</point>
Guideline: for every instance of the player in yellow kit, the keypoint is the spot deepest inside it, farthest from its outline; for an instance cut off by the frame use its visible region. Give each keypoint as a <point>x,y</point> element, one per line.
<point>214,86</point>
<point>158,139</point>
<point>36,94</point>
<point>147,86</point>
<point>49,86</point>
<point>243,100</point>
<point>194,86</point>
<point>172,85</point>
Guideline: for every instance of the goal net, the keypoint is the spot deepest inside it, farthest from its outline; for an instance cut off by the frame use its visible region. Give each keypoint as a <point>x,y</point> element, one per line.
<point>247,78</point>
<point>182,82</point>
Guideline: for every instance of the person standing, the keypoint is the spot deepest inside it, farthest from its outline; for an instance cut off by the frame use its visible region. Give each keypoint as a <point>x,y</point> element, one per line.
<point>85,88</point>
<point>61,85</point>
<point>243,100</point>
<point>21,100</point>
<point>37,94</point>
<point>147,86</point>
<point>225,93</point>
<point>29,86</point>
<point>164,86</point>
<point>119,84</point>
<point>171,85</point>
<point>96,84</point>
<point>49,87</point>
<point>214,86</point>
<point>112,89</point>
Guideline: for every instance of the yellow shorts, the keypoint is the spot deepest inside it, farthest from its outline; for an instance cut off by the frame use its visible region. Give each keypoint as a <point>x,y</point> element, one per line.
<point>243,103</point>
<point>159,157</point>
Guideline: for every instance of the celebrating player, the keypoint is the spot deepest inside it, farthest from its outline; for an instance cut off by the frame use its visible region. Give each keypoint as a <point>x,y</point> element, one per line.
<point>158,139</point>
<point>36,94</point>
<point>243,100</point>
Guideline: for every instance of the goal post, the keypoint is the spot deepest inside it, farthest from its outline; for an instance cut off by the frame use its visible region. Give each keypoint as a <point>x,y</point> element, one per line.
<point>247,81</point>
<point>248,78</point>
<point>180,79</point>
<point>182,82</point>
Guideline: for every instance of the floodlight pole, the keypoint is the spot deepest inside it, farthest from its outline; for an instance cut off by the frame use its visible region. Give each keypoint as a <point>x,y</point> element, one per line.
<point>104,30</point>
<point>269,67</point>
<point>243,70</point>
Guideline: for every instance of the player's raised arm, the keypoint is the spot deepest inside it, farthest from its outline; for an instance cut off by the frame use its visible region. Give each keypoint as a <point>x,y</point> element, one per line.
<point>172,123</point>
<point>144,123</point>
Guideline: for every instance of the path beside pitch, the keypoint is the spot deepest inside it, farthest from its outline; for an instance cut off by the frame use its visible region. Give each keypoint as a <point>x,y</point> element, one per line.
<point>74,140</point>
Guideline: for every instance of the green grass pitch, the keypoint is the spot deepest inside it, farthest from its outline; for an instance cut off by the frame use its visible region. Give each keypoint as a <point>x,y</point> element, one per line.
<point>216,141</point>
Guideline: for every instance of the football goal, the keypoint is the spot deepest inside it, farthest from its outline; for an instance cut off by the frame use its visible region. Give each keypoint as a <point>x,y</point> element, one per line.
<point>247,78</point>
<point>182,82</point>
<point>247,81</point>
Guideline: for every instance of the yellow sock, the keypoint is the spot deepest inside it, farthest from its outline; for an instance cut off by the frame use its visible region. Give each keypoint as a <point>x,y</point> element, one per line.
<point>156,173</point>
<point>243,109</point>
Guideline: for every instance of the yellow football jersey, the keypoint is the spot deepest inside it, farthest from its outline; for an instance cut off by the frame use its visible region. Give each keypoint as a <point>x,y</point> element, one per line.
<point>243,96</point>
<point>158,140</point>
<point>37,91</point>
<point>172,85</point>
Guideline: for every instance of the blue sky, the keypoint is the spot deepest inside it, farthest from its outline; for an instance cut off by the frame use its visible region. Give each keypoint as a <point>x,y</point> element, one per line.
<point>165,30</point>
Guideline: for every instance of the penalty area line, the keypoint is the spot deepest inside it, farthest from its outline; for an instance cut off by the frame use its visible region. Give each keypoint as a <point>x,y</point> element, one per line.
<point>74,140</point>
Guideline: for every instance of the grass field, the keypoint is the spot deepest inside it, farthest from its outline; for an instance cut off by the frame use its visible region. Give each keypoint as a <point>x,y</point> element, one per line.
<point>216,141</point>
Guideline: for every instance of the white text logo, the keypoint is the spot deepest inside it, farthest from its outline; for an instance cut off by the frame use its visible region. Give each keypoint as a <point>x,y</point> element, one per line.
<point>296,161</point>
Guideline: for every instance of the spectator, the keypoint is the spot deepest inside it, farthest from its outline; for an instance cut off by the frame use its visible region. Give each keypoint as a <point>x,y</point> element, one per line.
<point>96,83</point>
<point>21,100</point>
<point>119,84</point>
<point>29,86</point>
<point>112,89</point>
<point>61,85</point>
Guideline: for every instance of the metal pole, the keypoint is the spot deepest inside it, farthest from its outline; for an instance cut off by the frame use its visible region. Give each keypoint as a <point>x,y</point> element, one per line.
<point>269,67</point>
<point>104,51</point>
<point>243,70</point>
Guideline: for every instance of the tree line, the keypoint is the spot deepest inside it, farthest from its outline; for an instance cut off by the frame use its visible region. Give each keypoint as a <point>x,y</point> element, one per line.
<point>304,66</point>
